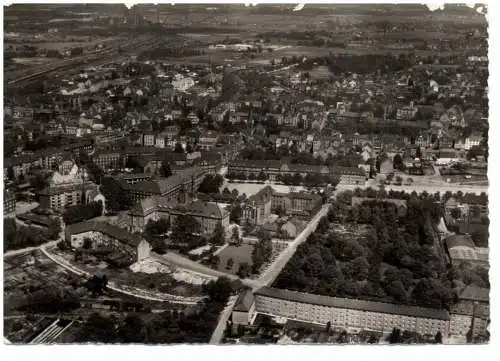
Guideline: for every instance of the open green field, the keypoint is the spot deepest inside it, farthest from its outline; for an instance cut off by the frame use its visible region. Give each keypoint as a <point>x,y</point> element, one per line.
<point>239,254</point>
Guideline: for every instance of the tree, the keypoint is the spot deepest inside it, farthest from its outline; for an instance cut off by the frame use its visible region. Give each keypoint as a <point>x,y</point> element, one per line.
<point>132,330</point>
<point>439,337</point>
<point>213,260</point>
<point>219,235</point>
<point>133,163</point>
<point>116,197</point>
<point>244,270</point>
<point>183,228</point>
<point>96,285</point>
<point>211,184</point>
<point>323,225</point>
<point>165,170</point>
<point>235,236</point>
<point>82,212</point>
<point>235,214</point>
<point>398,162</point>
<point>456,213</point>
<point>219,290</point>
<point>179,148</point>
<point>395,336</point>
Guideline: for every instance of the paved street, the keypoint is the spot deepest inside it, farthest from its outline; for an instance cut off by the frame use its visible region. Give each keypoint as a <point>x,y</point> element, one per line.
<point>29,249</point>
<point>223,318</point>
<point>268,277</point>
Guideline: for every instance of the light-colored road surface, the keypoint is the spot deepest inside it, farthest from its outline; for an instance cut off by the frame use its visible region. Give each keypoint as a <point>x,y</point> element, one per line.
<point>272,272</point>
<point>139,293</point>
<point>269,274</point>
<point>186,263</point>
<point>223,318</point>
<point>29,249</point>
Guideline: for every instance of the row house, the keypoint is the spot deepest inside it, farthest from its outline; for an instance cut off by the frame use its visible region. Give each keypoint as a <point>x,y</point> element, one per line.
<point>348,314</point>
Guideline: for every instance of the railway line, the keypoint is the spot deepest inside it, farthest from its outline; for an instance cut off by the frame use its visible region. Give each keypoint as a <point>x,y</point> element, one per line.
<point>51,333</point>
<point>96,58</point>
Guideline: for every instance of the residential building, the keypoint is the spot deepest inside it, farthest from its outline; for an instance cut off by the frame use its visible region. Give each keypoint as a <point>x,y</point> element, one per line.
<point>406,112</point>
<point>461,249</point>
<point>208,141</point>
<point>471,313</point>
<point>9,202</point>
<point>68,189</point>
<point>104,234</point>
<point>472,141</point>
<point>349,314</point>
<point>257,209</point>
<point>244,309</point>
<point>148,140</point>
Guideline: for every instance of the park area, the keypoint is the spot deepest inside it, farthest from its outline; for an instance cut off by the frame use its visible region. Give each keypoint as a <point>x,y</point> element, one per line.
<point>238,255</point>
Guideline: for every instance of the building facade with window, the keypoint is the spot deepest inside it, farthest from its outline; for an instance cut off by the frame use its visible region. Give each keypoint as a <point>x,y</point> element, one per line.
<point>350,314</point>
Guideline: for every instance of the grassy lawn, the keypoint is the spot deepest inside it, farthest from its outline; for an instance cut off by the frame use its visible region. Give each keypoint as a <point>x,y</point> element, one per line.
<point>239,255</point>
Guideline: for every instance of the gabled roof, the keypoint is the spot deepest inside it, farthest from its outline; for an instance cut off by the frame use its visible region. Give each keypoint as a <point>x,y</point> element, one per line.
<point>244,301</point>
<point>354,304</point>
<point>119,233</point>
<point>474,293</point>
<point>459,240</point>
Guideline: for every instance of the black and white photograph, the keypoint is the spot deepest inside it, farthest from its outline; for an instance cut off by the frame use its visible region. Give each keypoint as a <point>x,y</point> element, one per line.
<point>245,174</point>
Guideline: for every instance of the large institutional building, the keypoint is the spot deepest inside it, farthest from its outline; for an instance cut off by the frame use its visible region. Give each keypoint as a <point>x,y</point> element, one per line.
<point>207,214</point>
<point>272,169</point>
<point>259,206</point>
<point>357,315</point>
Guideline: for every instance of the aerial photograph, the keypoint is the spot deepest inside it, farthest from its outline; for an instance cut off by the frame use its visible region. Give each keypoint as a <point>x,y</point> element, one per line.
<point>274,174</point>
